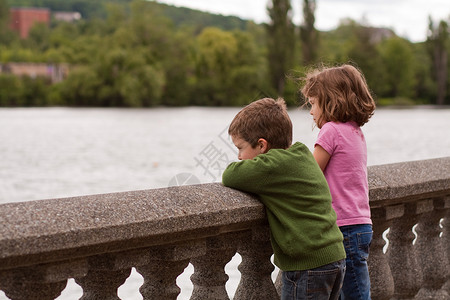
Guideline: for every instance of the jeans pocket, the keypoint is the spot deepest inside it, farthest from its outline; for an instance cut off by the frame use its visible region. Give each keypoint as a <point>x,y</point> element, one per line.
<point>289,285</point>
<point>364,240</point>
<point>290,276</point>
<point>320,284</point>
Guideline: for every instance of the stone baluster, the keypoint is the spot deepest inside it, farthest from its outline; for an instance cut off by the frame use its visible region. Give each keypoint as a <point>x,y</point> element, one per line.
<point>29,284</point>
<point>40,282</point>
<point>209,276</point>
<point>430,250</point>
<point>256,267</point>
<point>381,281</point>
<point>166,263</point>
<point>103,278</point>
<point>446,241</point>
<point>279,282</point>
<point>402,257</point>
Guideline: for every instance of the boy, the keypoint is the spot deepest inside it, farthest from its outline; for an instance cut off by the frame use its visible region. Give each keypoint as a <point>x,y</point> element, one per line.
<point>305,239</point>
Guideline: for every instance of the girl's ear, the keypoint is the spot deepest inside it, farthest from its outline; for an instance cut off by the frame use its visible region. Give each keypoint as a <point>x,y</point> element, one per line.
<point>263,145</point>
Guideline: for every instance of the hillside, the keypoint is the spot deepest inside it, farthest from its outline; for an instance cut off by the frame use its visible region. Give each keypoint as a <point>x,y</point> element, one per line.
<point>190,17</point>
<point>180,16</point>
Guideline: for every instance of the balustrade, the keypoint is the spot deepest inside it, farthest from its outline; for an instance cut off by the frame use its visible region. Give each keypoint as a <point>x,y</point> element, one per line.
<point>98,239</point>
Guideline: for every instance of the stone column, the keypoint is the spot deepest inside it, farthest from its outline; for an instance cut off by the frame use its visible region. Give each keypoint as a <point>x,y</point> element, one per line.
<point>27,284</point>
<point>381,280</point>
<point>402,258</point>
<point>103,278</point>
<point>446,241</point>
<point>160,279</point>
<point>165,265</point>
<point>256,268</point>
<point>430,250</point>
<point>209,276</point>
<point>42,282</point>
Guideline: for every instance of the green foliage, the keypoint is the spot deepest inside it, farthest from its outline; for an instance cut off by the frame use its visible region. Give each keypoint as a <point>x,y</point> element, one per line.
<point>308,34</point>
<point>226,68</point>
<point>18,54</point>
<point>425,87</point>
<point>398,59</point>
<point>38,37</point>
<point>25,91</point>
<point>6,35</point>
<point>394,68</point>
<point>280,42</point>
<point>438,43</point>
<point>11,91</point>
<point>119,78</point>
<point>143,54</point>
<point>4,14</point>
<point>398,101</point>
<point>363,51</point>
<point>35,91</point>
<point>81,87</point>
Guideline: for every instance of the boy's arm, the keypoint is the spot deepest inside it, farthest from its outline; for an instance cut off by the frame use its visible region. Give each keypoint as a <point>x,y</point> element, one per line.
<point>245,175</point>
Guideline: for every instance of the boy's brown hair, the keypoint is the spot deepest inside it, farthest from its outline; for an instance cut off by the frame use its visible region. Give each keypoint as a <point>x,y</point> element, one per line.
<point>264,118</point>
<point>341,93</point>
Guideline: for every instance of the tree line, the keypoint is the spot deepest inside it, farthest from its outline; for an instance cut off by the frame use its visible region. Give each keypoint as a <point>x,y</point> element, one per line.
<point>139,53</point>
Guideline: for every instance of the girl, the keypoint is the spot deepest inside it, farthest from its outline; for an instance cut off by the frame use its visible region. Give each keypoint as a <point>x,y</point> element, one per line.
<point>340,104</point>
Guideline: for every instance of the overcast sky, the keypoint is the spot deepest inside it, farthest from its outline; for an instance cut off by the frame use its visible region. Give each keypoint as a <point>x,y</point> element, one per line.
<point>408,18</point>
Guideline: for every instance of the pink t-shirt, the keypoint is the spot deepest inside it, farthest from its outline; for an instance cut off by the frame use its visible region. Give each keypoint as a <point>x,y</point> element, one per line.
<point>346,171</point>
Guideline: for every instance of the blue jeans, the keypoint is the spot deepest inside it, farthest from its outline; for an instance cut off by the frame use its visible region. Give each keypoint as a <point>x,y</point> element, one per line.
<point>322,283</point>
<point>357,240</point>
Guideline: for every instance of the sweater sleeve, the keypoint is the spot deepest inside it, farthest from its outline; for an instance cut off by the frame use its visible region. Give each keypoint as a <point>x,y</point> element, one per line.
<point>246,175</point>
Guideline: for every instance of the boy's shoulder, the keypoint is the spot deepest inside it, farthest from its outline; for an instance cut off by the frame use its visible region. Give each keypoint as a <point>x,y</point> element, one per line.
<point>297,148</point>
<point>280,159</point>
<point>298,153</point>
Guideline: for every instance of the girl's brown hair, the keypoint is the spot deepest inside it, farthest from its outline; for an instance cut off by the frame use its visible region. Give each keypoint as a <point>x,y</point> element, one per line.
<point>264,118</point>
<point>341,93</point>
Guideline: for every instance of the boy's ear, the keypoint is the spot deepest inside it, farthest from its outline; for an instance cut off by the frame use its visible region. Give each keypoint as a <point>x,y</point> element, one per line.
<point>263,145</point>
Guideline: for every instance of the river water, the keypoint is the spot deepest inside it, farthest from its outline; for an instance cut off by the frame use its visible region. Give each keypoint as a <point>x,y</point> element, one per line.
<point>61,152</point>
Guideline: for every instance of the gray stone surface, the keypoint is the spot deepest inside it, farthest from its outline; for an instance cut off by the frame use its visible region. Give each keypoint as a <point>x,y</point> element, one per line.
<point>409,181</point>
<point>51,230</point>
<point>65,229</point>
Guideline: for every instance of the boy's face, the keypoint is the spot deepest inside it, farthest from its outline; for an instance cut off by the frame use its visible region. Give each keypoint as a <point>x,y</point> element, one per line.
<point>246,151</point>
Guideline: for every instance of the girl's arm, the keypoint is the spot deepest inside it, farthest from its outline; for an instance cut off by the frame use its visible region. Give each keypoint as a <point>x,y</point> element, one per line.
<point>322,157</point>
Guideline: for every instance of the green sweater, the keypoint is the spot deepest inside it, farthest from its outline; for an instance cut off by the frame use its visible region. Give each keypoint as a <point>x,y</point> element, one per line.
<point>292,187</point>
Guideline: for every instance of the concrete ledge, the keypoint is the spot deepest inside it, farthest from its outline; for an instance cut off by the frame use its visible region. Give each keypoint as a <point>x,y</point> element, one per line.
<point>50,230</point>
<point>54,230</point>
<point>409,181</point>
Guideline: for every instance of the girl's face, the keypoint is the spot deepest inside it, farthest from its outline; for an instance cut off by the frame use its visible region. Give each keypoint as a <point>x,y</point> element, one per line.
<point>315,111</point>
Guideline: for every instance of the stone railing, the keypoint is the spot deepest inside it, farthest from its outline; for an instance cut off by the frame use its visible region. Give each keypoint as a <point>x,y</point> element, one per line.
<point>413,200</point>
<point>97,239</point>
